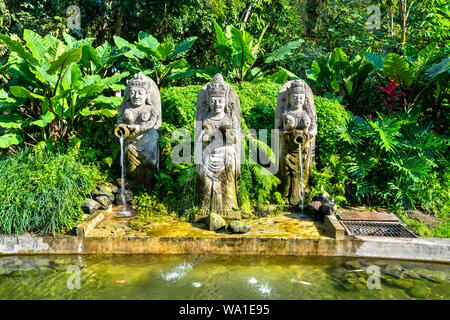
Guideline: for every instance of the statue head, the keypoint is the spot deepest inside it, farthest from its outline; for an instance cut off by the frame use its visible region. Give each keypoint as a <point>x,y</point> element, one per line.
<point>138,90</point>
<point>297,95</point>
<point>217,95</point>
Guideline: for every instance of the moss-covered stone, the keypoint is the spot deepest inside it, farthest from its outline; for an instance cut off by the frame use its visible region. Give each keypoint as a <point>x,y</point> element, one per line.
<point>352,265</point>
<point>431,275</point>
<point>394,269</point>
<point>419,292</point>
<point>401,283</point>
<point>411,274</point>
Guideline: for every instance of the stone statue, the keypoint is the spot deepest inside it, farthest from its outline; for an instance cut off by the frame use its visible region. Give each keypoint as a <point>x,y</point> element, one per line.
<point>218,132</point>
<point>138,121</point>
<point>296,118</point>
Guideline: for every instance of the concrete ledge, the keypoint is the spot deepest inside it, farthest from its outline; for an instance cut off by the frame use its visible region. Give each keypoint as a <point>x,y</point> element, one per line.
<point>90,223</point>
<point>334,227</point>
<point>435,250</point>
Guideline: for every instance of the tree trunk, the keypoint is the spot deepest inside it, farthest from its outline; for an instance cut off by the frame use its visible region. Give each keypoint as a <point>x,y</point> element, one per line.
<point>310,26</point>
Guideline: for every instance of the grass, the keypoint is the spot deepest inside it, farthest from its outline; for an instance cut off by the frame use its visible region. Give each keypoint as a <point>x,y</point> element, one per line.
<point>42,192</point>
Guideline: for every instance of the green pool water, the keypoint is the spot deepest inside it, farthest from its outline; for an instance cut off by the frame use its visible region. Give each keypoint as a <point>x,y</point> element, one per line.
<point>218,277</point>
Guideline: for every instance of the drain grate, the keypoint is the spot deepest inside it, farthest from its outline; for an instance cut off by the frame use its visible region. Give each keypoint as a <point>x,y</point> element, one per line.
<point>380,229</point>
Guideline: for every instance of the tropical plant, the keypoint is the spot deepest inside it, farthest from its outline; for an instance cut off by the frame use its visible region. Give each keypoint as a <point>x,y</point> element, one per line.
<point>423,75</point>
<point>166,59</point>
<point>50,86</point>
<point>390,158</point>
<point>243,55</point>
<point>340,76</point>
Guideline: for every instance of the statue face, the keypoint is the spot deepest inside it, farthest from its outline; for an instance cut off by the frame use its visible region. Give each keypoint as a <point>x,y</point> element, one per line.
<point>297,100</point>
<point>137,96</point>
<point>217,104</point>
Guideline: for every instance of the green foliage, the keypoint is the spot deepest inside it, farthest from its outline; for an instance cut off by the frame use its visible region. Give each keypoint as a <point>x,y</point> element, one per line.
<point>149,206</point>
<point>396,161</point>
<point>42,191</point>
<point>240,51</point>
<point>341,76</point>
<point>52,86</point>
<point>159,60</point>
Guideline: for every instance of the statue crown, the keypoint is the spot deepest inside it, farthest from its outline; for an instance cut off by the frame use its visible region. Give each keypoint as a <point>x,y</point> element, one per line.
<point>140,80</point>
<point>297,87</point>
<point>217,87</point>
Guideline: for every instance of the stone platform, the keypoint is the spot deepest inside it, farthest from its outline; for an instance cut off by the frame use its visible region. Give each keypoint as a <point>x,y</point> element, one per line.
<point>286,234</point>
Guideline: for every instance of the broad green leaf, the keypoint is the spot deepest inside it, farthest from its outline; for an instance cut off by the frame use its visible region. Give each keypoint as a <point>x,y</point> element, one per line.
<point>104,52</point>
<point>9,139</point>
<point>338,61</point>
<point>375,60</point>
<point>133,53</point>
<point>35,43</point>
<point>21,92</point>
<point>147,40</point>
<point>396,67</point>
<point>11,121</point>
<point>278,77</point>
<point>183,47</point>
<point>55,47</point>
<point>114,101</point>
<point>89,80</point>
<point>151,54</point>
<point>241,45</point>
<point>284,51</point>
<point>424,56</point>
<point>178,64</point>
<point>18,48</point>
<point>165,49</point>
<point>72,55</point>
<point>44,119</point>
<point>108,81</point>
<point>71,41</point>
<point>437,69</point>
<point>223,51</point>
<point>3,94</point>
<point>89,54</point>
<point>221,39</point>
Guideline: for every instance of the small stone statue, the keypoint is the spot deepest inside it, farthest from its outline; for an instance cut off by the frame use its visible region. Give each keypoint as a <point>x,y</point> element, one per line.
<point>138,121</point>
<point>218,133</point>
<point>296,118</point>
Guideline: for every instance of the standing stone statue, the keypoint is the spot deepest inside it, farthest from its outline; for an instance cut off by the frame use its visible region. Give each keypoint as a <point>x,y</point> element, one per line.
<point>138,121</point>
<point>296,118</point>
<point>218,134</point>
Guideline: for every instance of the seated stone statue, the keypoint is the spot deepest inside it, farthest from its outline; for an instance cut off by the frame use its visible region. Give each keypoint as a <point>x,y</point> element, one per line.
<point>138,121</point>
<point>218,170</point>
<point>296,118</point>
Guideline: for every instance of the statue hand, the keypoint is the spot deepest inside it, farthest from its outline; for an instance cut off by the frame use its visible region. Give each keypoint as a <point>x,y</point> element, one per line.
<point>206,137</point>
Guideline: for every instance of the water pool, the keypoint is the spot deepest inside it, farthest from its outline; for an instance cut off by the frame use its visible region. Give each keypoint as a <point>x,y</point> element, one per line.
<point>218,277</point>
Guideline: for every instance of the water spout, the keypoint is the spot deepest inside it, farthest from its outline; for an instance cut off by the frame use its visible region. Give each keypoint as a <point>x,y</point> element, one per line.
<point>301,173</point>
<point>124,212</point>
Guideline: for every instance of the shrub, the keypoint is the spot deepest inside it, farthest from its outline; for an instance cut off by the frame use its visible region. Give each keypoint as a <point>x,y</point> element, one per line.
<point>42,191</point>
<point>176,182</point>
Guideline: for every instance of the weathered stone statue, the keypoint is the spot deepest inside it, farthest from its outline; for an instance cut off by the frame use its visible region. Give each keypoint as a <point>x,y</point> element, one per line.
<point>296,118</point>
<point>138,121</point>
<point>218,134</point>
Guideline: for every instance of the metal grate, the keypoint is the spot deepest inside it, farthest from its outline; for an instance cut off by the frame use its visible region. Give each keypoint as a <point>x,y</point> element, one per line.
<point>380,229</point>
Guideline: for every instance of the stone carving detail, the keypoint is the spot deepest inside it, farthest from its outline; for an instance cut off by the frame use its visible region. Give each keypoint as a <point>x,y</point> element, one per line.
<point>138,121</point>
<point>296,118</point>
<point>218,146</point>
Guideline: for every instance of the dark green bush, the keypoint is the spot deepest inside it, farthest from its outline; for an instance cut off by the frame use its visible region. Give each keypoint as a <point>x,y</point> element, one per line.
<point>42,192</point>
<point>176,182</point>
